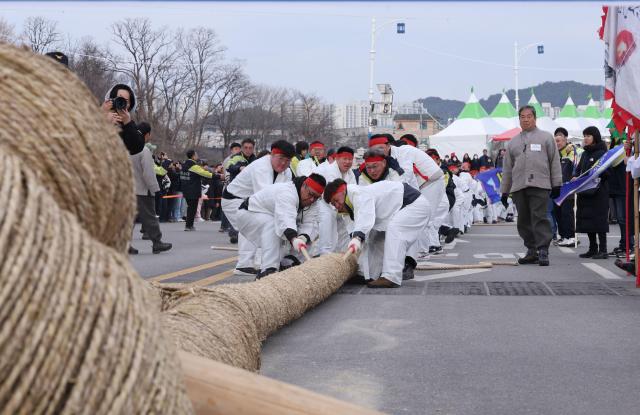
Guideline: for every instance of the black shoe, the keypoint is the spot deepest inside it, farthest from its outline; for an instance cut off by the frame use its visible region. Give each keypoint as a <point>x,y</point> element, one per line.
<point>589,254</point>
<point>629,267</point>
<point>451,235</point>
<point>543,257</point>
<point>485,220</point>
<point>600,255</point>
<point>161,247</point>
<point>245,271</point>
<point>233,239</point>
<point>133,251</point>
<point>189,229</point>
<point>410,265</point>
<point>531,257</point>
<point>509,217</point>
<point>617,251</point>
<point>146,237</point>
<point>266,272</point>
<point>356,280</point>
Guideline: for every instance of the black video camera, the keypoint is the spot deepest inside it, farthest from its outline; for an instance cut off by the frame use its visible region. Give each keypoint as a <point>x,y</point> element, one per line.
<point>118,104</point>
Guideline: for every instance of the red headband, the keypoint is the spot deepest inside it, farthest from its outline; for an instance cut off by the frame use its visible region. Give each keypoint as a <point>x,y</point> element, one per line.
<point>411,143</point>
<point>341,188</point>
<point>278,151</point>
<point>316,145</point>
<point>378,140</point>
<point>344,154</point>
<point>313,185</point>
<point>373,159</point>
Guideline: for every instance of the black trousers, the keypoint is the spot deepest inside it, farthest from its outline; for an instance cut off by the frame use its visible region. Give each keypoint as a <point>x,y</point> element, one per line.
<point>533,223</point>
<point>593,243</point>
<point>566,218</point>
<point>147,216</point>
<point>192,208</point>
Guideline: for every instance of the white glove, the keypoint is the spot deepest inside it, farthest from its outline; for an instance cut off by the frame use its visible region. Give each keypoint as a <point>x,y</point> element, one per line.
<point>298,243</point>
<point>354,246</point>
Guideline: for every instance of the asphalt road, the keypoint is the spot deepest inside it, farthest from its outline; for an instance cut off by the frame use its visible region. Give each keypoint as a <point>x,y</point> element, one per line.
<point>562,339</point>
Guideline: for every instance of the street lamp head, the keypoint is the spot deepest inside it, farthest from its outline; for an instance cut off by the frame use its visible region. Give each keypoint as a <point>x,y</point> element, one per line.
<point>400,28</point>
<point>540,49</point>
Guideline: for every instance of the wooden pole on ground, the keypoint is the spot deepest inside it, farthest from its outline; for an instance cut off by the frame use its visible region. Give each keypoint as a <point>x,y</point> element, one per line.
<point>215,388</point>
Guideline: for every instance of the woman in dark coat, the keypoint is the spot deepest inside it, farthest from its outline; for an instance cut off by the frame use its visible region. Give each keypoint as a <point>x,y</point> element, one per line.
<point>475,162</point>
<point>593,205</point>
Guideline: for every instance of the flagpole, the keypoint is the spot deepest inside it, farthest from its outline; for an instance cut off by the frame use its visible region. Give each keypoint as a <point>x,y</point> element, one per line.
<point>575,221</point>
<point>636,227</point>
<point>626,210</point>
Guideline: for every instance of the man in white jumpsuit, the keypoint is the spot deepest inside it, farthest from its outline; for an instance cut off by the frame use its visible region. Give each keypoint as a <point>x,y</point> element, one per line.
<point>468,196</point>
<point>265,171</point>
<point>391,207</point>
<point>333,233</point>
<point>441,211</point>
<point>316,156</point>
<point>376,169</point>
<point>270,217</point>
<point>427,176</point>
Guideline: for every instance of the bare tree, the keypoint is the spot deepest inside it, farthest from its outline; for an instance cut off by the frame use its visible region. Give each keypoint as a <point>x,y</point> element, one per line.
<point>41,34</point>
<point>7,32</point>
<point>202,54</point>
<point>233,94</point>
<point>89,61</point>
<point>173,105</point>
<point>309,117</point>
<point>147,55</point>
<point>260,120</point>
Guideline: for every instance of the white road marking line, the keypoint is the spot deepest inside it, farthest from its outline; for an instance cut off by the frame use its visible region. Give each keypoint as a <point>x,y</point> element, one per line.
<point>494,235</point>
<point>452,255</point>
<point>566,250</point>
<point>462,241</point>
<point>451,245</point>
<point>435,264</point>
<point>450,274</point>
<point>603,272</point>
<point>494,255</point>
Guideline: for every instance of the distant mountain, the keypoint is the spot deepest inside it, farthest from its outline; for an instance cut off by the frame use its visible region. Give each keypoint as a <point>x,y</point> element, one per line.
<point>554,92</point>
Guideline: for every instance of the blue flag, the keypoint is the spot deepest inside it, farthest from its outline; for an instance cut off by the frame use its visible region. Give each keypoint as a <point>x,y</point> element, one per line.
<point>591,178</point>
<point>490,181</point>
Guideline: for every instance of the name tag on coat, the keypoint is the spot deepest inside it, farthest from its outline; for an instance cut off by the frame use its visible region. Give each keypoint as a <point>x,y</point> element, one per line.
<point>536,147</point>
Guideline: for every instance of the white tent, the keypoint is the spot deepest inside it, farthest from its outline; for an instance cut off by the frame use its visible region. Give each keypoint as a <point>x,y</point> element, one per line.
<point>469,133</point>
<point>543,121</point>
<point>571,120</point>
<point>505,114</point>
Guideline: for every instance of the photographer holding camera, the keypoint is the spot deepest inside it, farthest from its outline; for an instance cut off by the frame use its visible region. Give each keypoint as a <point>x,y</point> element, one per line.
<point>119,102</point>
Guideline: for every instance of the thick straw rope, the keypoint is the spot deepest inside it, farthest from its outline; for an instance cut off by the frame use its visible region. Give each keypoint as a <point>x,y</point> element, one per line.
<point>81,332</point>
<point>49,119</point>
<point>228,323</point>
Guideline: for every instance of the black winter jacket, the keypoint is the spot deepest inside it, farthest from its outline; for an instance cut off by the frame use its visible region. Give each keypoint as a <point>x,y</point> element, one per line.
<point>593,209</point>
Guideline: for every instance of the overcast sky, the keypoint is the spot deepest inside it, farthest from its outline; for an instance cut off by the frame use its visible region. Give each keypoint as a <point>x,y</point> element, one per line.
<point>324,47</point>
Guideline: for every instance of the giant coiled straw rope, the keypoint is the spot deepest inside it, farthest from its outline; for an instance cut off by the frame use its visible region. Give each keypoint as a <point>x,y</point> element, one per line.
<point>49,120</point>
<point>81,332</point>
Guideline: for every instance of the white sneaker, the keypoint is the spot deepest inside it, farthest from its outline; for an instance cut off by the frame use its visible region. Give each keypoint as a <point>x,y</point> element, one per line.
<point>559,242</point>
<point>569,242</point>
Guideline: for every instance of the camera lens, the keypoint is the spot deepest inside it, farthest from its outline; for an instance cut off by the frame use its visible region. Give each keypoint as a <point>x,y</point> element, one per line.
<point>119,103</point>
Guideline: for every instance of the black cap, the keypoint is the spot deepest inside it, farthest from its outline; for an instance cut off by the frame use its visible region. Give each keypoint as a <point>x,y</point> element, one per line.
<point>60,57</point>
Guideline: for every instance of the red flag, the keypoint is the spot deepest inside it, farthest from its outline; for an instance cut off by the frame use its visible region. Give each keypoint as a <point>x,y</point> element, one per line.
<point>621,34</point>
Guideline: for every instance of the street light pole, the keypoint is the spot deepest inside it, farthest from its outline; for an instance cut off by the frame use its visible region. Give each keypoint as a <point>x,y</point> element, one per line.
<point>515,72</point>
<point>516,56</point>
<point>372,58</point>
